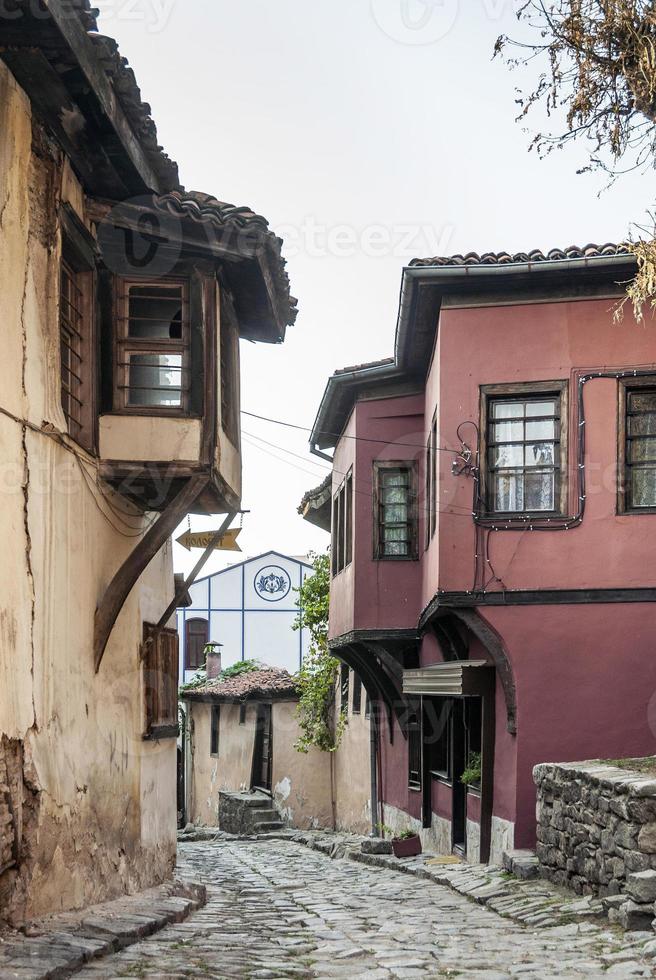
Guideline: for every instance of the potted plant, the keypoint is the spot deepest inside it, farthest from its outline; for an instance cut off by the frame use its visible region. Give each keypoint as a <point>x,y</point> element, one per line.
<point>471,777</point>
<point>406,844</point>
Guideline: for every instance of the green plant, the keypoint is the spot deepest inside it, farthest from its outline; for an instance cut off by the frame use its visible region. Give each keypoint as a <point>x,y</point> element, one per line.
<point>242,667</point>
<point>200,677</point>
<point>472,774</point>
<point>318,675</point>
<point>405,835</point>
<point>383,829</point>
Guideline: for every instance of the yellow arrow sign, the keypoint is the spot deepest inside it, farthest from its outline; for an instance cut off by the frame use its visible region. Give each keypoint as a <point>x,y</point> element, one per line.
<point>203,539</point>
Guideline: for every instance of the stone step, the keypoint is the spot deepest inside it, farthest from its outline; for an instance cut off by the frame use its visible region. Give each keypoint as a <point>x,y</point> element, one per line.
<point>266,826</point>
<point>263,814</point>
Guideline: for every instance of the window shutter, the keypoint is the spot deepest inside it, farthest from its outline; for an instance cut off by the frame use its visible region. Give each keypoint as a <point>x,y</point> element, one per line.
<point>160,667</point>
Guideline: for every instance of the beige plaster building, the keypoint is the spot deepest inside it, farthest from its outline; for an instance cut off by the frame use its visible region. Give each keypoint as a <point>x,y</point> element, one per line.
<point>122,300</point>
<point>241,734</point>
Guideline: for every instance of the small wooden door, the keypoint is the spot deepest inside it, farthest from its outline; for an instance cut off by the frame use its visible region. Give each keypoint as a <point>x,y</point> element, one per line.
<point>262,750</point>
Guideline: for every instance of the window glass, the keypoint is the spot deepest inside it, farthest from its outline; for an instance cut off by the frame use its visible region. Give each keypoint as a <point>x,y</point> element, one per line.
<point>641,448</point>
<point>523,454</point>
<point>153,337</point>
<point>396,531</point>
<point>155,312</point>
<point>155,380</point>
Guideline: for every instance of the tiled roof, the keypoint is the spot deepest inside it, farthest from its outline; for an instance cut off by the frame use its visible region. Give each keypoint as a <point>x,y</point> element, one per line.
<point>203,208</point>
<point>264,683</point>
<point>317,494</point>
<point>510,258</point>
<point>138,113</point>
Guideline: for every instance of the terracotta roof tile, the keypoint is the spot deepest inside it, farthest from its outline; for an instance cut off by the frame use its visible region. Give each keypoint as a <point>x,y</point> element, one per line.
<point>509,258</point>
<point>267,682</point>
<point>243,221</point>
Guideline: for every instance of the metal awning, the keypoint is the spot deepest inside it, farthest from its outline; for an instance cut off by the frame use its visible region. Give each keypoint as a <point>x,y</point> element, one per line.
<point>456,678</point>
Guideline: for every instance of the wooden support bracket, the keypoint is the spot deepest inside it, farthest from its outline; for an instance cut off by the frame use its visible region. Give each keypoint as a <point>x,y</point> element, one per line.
<point>125,578</point>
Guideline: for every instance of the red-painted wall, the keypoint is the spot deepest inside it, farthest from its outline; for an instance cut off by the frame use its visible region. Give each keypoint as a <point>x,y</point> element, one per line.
<point>585,675</point>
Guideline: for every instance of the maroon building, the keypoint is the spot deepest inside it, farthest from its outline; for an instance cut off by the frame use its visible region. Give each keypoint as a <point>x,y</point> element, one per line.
<point>493,515</point>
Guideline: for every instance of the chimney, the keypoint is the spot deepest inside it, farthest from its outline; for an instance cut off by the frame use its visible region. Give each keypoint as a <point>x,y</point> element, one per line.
<point>213,660</point>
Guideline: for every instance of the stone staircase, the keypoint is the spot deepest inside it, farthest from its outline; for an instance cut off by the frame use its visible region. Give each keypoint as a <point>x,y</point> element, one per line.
<point>248,813</point>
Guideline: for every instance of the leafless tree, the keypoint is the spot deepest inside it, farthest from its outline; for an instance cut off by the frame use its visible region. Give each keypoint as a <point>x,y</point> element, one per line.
<point>599,70</point>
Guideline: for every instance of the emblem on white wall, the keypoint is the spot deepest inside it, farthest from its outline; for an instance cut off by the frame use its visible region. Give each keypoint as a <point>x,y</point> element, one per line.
<point>272,583</point>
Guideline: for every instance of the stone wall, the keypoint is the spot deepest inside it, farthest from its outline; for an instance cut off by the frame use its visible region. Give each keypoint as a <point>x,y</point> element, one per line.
<point>596,825</point>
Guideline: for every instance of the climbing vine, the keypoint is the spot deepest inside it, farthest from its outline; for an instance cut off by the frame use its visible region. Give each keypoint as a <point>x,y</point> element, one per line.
<point>317,677</point>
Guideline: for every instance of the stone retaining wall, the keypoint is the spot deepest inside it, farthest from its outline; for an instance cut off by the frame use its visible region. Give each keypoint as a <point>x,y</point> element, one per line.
<point>596,825</point>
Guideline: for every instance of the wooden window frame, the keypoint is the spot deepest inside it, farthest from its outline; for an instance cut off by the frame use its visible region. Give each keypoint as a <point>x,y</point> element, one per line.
<point>124,345</point>
<point>431,483</point>
<point>78,264</point>
<point>188,623</point>
<point>378,538</point>
<point>160,662</point>
<point>443,707</point>
<point>626,387</point>
<point>215,730</point>
<point>528,389</point>
<point>229,369</point>
<point>415,744</point>
<point>342,526</point>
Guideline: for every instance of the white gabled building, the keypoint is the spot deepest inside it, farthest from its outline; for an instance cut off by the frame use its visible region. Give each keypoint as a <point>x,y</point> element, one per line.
<point>250,608</point>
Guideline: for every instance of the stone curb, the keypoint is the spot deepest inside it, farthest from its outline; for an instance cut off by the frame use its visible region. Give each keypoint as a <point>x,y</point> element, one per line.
<point>70,940</point>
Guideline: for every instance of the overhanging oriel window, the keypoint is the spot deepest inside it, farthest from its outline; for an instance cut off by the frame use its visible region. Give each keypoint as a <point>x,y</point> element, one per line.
<point>525,449</point>
<point>395,510</point>
<point>342,526</point>
<point>152,346</point>
<point>639,448</point>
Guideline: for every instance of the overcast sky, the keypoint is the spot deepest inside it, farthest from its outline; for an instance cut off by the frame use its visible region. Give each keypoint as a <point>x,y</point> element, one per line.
<point>368,132</point>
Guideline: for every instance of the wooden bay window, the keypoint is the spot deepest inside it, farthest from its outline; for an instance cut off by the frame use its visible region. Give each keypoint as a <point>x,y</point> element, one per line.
<point>342,526</point>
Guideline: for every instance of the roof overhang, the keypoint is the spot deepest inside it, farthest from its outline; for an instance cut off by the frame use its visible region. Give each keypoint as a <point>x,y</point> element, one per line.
<point>315,506</point>
<point>424,289</point>
<point>64,70</point>
<point>460,678</point>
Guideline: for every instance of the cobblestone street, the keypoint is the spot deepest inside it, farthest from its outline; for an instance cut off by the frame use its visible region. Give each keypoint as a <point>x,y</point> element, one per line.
<point>276,909</point>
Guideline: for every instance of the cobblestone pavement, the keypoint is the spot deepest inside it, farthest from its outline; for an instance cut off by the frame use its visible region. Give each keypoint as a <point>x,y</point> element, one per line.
<point>276,909</point>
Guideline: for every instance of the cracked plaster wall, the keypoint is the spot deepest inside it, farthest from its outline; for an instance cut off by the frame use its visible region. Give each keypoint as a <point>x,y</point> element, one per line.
<point>98,803</point>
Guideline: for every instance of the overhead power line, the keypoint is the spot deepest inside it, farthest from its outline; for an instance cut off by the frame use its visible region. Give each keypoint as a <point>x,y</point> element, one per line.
<point>339,435</point>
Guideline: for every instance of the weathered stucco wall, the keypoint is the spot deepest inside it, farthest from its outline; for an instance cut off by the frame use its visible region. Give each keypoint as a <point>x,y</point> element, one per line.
<point>300,783</point>
<point>353,775</point>
<point>229,770</point>
<point>94,805</point>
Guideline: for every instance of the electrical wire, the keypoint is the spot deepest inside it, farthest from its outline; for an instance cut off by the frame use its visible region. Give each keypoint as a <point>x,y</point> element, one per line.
<point>58,437</point>
<point>341,435</point>
<point>323,466</point>
<point>465,511</point>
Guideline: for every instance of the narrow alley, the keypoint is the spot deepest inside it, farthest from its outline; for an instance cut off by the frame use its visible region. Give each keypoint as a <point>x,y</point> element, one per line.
<point>276,909</point>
